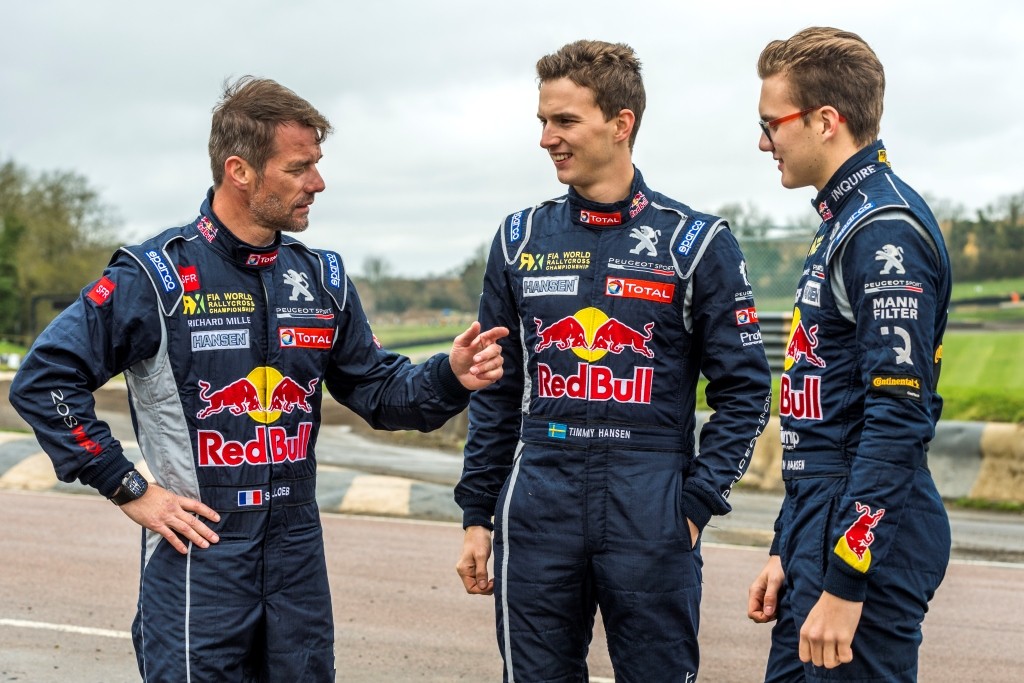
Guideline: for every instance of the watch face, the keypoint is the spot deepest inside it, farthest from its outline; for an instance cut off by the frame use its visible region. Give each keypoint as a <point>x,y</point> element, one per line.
<point>135,483</point>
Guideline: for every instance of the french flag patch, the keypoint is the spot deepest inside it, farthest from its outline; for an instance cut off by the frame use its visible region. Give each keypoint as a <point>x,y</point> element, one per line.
<point>247,498</point>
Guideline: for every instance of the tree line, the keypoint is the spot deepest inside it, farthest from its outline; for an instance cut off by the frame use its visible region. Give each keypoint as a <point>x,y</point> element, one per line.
<point>56,235</point>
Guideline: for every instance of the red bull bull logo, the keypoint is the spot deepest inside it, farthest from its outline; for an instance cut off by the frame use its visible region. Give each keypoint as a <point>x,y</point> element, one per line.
<point>802,342</point>
<point>853,546</point>
<point>590,334</point>
<point>264,394</point>
<point>803,403</point>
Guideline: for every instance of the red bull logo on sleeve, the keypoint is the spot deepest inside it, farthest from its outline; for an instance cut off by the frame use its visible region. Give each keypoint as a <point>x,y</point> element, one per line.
<point>590,334</point>
<point>853,546</point>
<point>264,394</point>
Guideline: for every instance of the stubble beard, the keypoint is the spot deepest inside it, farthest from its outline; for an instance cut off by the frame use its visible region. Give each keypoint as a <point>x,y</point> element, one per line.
<point>271,213</point>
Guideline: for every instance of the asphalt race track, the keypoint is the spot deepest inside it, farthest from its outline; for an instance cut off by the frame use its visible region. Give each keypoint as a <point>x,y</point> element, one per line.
<point>70,573</point>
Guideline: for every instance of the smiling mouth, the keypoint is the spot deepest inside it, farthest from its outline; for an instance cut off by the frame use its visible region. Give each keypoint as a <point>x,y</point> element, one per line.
<point>560,157</point>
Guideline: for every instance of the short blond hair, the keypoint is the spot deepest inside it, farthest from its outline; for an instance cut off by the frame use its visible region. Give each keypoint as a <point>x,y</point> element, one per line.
<point>828,66</point>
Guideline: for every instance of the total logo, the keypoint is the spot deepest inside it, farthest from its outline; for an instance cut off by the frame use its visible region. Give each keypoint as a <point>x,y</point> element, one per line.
<point>590,334</point>
<point>627,288</point>
<point>263,394</point>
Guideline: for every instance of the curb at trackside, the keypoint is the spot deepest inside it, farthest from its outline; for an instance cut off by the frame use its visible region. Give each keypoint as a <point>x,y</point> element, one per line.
<point>24,466</point>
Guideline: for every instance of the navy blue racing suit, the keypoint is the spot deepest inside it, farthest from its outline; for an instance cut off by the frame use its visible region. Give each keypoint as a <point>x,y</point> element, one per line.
<point>226,350</point>
<point>583,453</point>
<point>862,518</point>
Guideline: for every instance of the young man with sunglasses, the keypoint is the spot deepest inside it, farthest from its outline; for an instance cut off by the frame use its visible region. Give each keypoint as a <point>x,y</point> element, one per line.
<point>862,540</point>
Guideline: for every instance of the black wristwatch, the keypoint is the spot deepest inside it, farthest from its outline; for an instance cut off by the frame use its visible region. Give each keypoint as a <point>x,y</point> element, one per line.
<point>132,487</point>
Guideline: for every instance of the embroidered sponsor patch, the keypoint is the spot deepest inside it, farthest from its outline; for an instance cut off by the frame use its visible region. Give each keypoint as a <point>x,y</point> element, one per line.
<point>896,386</point>
<point>208,340</point>
<point>102,291</point>
<point>306,337</point>
<point>647,290</point>
<point>189,278</point>
<point>553,286</point>
<point>250,498</point>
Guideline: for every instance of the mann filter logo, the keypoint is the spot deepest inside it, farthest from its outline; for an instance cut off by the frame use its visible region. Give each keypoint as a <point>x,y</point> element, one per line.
<point>548,286</point>
<point>894,307</point>
<point>210,340</point>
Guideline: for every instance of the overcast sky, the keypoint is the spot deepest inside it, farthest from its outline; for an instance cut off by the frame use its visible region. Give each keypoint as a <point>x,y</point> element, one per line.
<point>434,103</point>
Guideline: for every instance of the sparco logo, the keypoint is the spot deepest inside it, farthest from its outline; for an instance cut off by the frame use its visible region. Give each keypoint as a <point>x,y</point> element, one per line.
<point>515,226</point>
<point>691,235</point>
<point>333,270</point>
<point>168,280</point>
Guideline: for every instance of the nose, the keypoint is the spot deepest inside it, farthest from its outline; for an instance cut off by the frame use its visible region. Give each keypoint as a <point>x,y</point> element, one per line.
<point>547,138</point>
<point>317,183</point>
<point>764,144</point>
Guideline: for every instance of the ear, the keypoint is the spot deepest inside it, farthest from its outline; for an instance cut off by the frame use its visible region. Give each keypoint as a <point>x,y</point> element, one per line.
<point>624,122</point>
<point>830,119</point>
<point>239,173</point>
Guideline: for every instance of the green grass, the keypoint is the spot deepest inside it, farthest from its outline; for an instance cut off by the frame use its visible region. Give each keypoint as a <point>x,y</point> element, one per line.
<point>399,336</point>
<point>982,375</point>
<point>1001,287</point>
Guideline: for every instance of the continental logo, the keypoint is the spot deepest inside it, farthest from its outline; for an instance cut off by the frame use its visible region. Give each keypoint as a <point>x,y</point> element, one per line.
<point>910,382</point>
<point>896,386</point>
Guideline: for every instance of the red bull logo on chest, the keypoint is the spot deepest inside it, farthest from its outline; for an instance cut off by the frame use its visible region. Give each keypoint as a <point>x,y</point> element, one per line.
<point>590,334</point>
<point>264,394</point>
<point>801,403</point>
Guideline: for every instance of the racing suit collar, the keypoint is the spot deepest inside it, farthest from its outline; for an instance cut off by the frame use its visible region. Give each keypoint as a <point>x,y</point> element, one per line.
<point>595,214</point>
<point>223,241</point>
<point>843,183</point>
